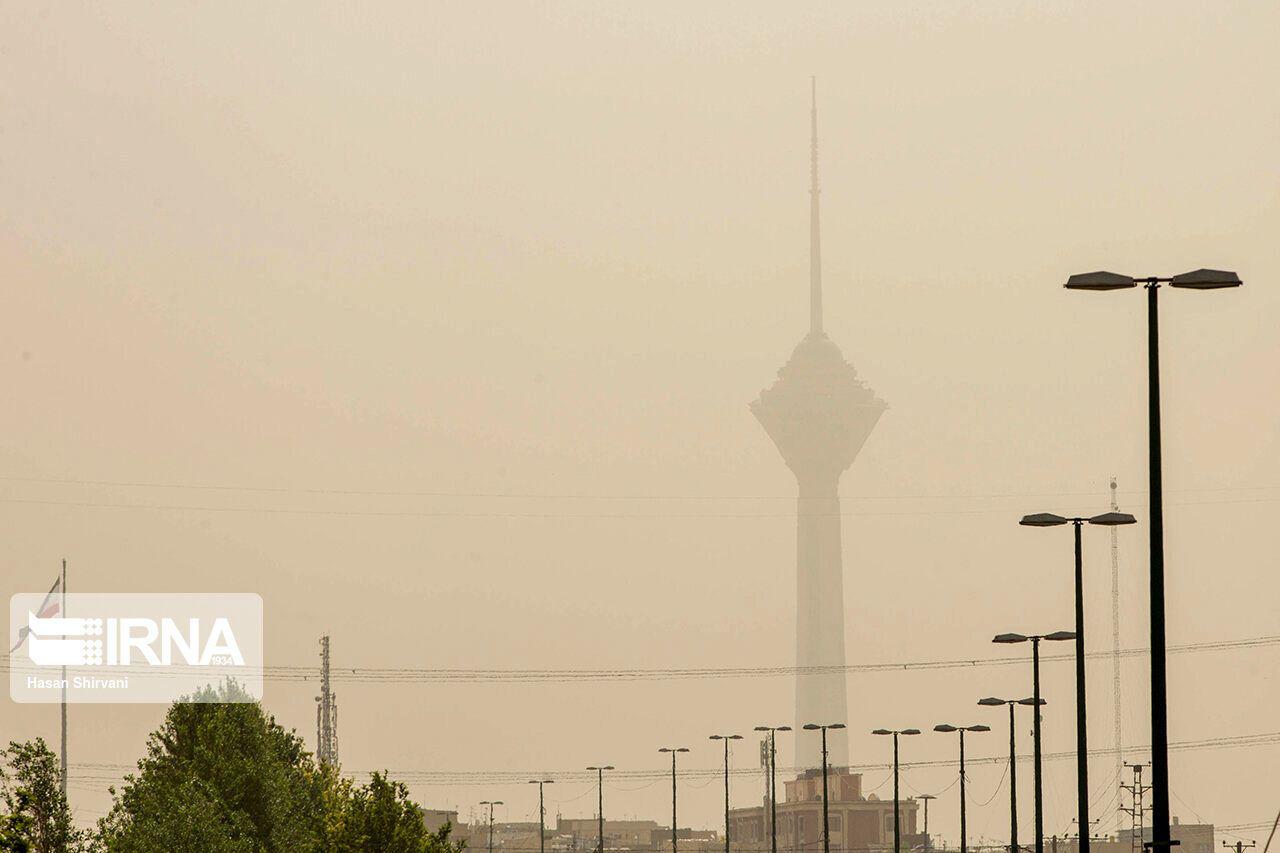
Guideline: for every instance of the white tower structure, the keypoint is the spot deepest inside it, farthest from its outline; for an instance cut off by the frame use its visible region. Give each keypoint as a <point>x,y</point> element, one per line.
<point>818,414</point>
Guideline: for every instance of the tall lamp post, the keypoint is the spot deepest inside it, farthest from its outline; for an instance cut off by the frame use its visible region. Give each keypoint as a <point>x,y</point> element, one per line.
<point>1202,279</point>
<point>491,804</point>
<point>947,727</point>
<point>993,702</point>
<point>826,823</point>
<point>1056,636</point>
<point>1107,519</point>
<point>925,798</point>
<point>542,813</point>
<point>600,803</point>
<point>897,824</point>
<point>673,750</point>
<point>773,782</point>
<point>726,739</point>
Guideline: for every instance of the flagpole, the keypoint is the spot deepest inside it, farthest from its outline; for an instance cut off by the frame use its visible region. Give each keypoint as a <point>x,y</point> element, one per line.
<point>64,687</point>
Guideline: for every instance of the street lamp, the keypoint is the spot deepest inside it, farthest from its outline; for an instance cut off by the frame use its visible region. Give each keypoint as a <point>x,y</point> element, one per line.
<point>826,825</point>
<point>600,792</point>
<point>542,813</point>
<point>491,804</point>
<point>897,826</point>
<point>673,750</point>
<point>726,739</point>
<point>993,702</point>
<point>773,782</point>
<point>1201,279</point>
<point>947,727</point>
<point>1107,519</point>
<point>1056,636</point>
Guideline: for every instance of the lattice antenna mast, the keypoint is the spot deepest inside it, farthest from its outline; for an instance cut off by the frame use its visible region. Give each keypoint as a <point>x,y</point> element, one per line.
<point>1117,735</point>
<point>326,712</point>
<point>1137,793</point>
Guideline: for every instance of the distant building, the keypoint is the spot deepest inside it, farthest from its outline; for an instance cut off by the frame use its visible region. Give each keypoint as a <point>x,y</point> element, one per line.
<point>1191,838</point>
<point>434,819</point>
<point>857,822</point>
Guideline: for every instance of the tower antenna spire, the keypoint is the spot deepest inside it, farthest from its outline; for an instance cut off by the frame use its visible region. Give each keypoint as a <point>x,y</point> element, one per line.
<point>815,230</point>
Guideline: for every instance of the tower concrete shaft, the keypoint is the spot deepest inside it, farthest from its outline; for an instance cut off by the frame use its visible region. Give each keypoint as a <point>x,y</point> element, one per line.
<point>818,414</point>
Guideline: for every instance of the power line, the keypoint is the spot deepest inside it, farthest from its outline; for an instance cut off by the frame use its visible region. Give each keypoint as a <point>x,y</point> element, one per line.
<point>304,490</point>
<point>97,771</point>
<point>411,675</point>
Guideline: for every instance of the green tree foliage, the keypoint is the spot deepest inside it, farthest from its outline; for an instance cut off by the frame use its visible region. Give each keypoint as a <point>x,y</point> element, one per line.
<point>223,777</point>
<point>36,817</point>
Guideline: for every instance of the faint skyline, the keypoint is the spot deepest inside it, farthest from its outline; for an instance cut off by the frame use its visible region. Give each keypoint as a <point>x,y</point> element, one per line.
<point>532,262</point>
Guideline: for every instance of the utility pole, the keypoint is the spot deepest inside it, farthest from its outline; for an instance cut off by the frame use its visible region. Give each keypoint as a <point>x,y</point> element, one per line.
<point>1240,846</point>
<point>1117,741</point>
<point>1137,792</point>
<point>326,711</point>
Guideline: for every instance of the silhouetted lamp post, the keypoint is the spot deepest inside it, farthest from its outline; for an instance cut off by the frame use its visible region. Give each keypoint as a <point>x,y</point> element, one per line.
<point>600,791</point>
<point>1056,636</point>
<point>993,702</point>
<point>1107,519</point>
<point>897,826</point>
<point>491,804</point>
<point>673,750</point>
<point>726,739</point>
<point>826,825</point>
<point>947,727</point>
<point>773,782</point>
<point>1196,280</point>
<point>542,813</point>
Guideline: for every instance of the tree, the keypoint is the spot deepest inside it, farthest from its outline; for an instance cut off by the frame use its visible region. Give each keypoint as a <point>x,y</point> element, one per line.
<point>379,817</point>
<point>36,817</point>
<point>220,776</point>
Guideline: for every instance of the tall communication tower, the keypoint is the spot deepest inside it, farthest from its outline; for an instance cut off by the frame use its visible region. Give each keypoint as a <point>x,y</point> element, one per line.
<point>326,712</point>
<point>1117,735</point>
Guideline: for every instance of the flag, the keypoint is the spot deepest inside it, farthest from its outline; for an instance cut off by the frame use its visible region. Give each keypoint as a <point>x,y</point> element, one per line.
<point>51,606</point>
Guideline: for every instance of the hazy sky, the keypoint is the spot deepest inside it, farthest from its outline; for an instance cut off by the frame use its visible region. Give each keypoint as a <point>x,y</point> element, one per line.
<point>537,259</point>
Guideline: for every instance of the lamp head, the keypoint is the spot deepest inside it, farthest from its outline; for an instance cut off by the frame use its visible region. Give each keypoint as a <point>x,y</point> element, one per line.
<point>1061,635</point>
<point>992,702</point>
<point>945,727</point>
<point>1100,281</point>
<point>978,728</point>
<point>784,728</point>
<point>1042,519</point>
<point>882,732</point>
<point>1206,280</point>
<point>909,732</point>
<point>811,727</point>
<point>1032,701</point>
<point>1112,519</point>
<point>835,725</point>
<point>1009,638</point>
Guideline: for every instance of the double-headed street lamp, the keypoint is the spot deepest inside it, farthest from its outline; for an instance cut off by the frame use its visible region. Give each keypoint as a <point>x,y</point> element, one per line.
<point>897,825</point>
<point>1107,519</point>
<point>491,804</point>
<point>726,739</point>
<point>993,702</point>
<point>773,782</point>
<point>600,792</point>
<point>542,813</point>
<point>1196,280</point>
<point>1034,639</point>
<point>947,727</point>
<point>826,824</point>
<point>673,750</point>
